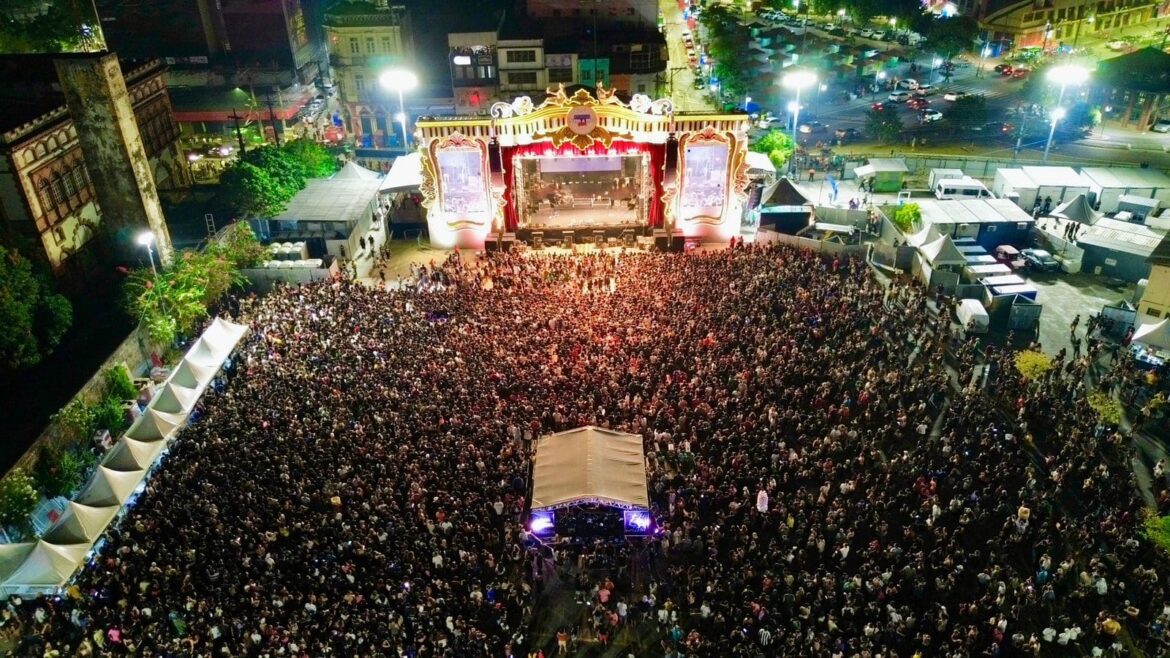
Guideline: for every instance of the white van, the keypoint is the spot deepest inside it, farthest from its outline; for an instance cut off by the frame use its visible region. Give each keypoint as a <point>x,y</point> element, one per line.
<point>961,188</point>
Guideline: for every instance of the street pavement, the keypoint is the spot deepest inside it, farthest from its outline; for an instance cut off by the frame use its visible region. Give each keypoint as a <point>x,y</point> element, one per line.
<point>680,77</point>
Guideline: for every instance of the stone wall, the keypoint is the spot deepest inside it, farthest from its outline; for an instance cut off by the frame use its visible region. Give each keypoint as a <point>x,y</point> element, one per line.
<point>134,352</point>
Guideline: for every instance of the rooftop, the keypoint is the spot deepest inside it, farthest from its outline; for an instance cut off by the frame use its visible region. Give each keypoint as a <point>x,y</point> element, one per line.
<point>971,211</point>
<point>1161,253</point>
<point>1125,237</point>
<point>342,200</point>
<point>361,14</point>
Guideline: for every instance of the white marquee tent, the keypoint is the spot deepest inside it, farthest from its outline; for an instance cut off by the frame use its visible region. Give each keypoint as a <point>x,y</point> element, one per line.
<point>942,251</point>
<point>1154,334</point>
<point>589,465</point>
<point>51,562</point>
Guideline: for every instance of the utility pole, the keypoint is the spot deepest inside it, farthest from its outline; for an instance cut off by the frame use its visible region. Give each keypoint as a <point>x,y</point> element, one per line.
<point>272,117</point>
<point>239,135</point>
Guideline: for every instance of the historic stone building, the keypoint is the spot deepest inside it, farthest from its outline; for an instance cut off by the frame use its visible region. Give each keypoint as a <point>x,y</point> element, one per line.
<point>48,190</point>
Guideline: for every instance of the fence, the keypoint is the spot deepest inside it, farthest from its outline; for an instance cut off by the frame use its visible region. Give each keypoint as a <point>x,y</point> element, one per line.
<point>828,248</point>
<point>973,166</point>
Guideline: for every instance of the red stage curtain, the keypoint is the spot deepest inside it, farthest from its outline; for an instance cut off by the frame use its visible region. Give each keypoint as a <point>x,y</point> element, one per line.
<point>657,154</point>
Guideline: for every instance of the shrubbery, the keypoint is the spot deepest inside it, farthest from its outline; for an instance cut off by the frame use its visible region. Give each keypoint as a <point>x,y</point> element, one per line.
<point>1033,365</point>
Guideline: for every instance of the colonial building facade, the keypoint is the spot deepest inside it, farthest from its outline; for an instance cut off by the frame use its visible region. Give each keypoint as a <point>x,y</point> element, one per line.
<point>46,194</point>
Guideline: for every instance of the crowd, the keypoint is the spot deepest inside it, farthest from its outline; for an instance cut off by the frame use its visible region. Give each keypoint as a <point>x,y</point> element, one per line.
<point>826,479</point>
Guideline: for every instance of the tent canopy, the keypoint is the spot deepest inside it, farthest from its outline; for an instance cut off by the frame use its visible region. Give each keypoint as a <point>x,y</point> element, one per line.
<point>782,193</point>
<point>354,171</point>
<point>12,556</point>
<point>81,524</point>
<point>132,455</point>
<point>589,465</point>
<point>155,425</point>
<point>1077,210</point>
<point>109,487</point>
<point>175,399</point>
<point>942,251</point>
<point>928,234</point>
<point>47,565</point>
<point>1154,334</point>
<point>760,161</point>
<point>405,174</point>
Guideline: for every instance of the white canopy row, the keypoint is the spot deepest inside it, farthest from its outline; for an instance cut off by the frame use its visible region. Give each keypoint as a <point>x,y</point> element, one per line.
<point>49,563</point>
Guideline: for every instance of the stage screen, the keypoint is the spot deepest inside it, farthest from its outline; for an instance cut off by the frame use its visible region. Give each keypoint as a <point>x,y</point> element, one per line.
<point>463,184</point>
<point>704,181</point>
<point>582,192</point>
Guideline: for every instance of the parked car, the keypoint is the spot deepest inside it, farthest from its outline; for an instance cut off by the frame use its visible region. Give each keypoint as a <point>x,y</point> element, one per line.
<point>908,83</point>
<point>1010,256</point>
<point>899,96</point>
<point>810,127</point>
<point>924,90</point>
<point>847,134</point>
<point>995,128</point>
<point>918,103</point>
<point>954,95</point>
<point>930,116</point>
<point>1020,73</point>
<point>1040,260</point>
<point>1007,71</point>
<point>877,107</point>
<point>1161,126</point>
<point>1000,68</point>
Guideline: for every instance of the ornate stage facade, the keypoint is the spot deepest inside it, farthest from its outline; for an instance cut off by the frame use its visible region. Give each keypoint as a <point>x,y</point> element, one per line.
<point>583,168</point>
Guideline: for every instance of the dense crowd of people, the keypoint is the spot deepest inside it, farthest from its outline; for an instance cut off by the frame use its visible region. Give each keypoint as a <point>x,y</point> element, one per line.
<point>826,479</point>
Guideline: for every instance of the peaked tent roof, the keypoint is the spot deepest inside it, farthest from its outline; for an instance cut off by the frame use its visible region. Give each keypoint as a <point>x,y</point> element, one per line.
<point>942,251</point>
<point>202,353</point>
<point>132,455</point>
<point>782,193</point>
<point>354,171</point>
<point>47,565</point>
<point>81,524</point>
<point>1077,209</point>
<point>155,425</point>
<point>928,234</point>
<point>760,161</point>
<point>192,375</point>
<point>405,174</point>
<point>108,486</point>
<point>175,399</point>
<point>589,465</point>
<point>12,556</point>
<point>1154,334</point>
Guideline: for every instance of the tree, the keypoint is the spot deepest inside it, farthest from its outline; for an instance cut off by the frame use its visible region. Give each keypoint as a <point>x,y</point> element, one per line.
<point>1081,117</point>
<point>949,36</point>
<point>777,145</point>
<point>18,498</point>
<point>172,303</point>
<point>968,113</point>
<point>883,125</point>
<point>252,192</point>
<point>907,216</point>
<point>240,246</point>
<point>33,316</point>
<point>315,160</point>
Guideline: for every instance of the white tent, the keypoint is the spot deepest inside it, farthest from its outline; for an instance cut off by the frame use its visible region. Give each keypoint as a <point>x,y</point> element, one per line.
<point>928,234</point>
<point>221,336</point>
<point>131,455</point>
<point>174,399</point>
<point>46,566</point>
<point>204,354</point>
<point>1077,210</point>
<point>12,556</point>
<point>191,375</point>
<point>942,251</point>
<point>155,425</point>
<point>405,174</point>
<point>354,171</point>
<point>108,486</point>
<point>1154,334</point>
<point>589,465</point>
<point>760,162</point>
<point>81,524</point>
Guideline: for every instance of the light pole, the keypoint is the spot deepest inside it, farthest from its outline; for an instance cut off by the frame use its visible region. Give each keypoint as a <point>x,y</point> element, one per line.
<point>797,80</point>
<point>934,62</point>
<point>146,239</point>
<point>983,53</point>
<point>881,75</point>
<point>1055,116</point>
<point>840,17</point>
<point>747,100</point>
<point>1065,75</point>
<point>400,80</point>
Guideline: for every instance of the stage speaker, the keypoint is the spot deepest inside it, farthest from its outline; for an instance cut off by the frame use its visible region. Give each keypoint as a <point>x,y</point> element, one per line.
<point>663,243</point>
<point>628,238</point>
<point>506,244</point>
<point>567,239</point>
<point>599,238</point>
<point>538,239</point>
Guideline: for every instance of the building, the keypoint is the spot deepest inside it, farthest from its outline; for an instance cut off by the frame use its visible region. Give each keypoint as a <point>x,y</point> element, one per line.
<point>217,42</point>
<point>47,195</point>
<point>364,40</point>
<point>1135,84</point>
<point>519,59</point>
<point>572,17</point>
<point>1156,300</point>
<point>1053,23</point>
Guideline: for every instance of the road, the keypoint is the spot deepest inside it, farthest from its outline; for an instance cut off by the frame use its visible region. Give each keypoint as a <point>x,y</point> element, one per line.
<point>679,73</point>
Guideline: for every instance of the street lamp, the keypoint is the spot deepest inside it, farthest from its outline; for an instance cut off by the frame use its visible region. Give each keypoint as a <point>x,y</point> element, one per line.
<point>840,16</point>
<point>881,75</point>
<point>797,80</point>
<point>934,63</point>
<point>1065,75</point>
<point>747,100</point>
<point>400,80</point>
<point>146,239</point>
<point>1056,115</point>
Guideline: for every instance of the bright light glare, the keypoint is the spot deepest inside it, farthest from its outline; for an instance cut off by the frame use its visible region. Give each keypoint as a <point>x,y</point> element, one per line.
<point>1058,114</point>
<point>1068,74</point>
<point>792,106</point>
<point>840,12</point>
<point>146,238</point>
<point>399,117</point>
<point>399,80</point>
<point>799,79</point>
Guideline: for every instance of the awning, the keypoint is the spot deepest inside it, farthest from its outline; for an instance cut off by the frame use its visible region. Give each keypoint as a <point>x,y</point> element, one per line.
<point>589,465</point>
<point>864,171</point>
<point>405,174</point>
<point>760,162</point>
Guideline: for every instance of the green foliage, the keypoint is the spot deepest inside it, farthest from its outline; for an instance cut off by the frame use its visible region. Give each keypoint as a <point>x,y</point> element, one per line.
<point>883,125</point>
<point>18,498</point>
<point>907,216</point>
<point>108,415</point>
<point>240,247</point>
<point>1157,530</point>
<point>968,112</point>
<point>727,41</point>
<point>32,27</point>
<point>34,317</point>
<point>263,180</point>
<point>59,472</point>
<point>173,302</point>
<point>1033,365</point>
<point>777,145</point>
<point>951,36</point>
<point>1081,117</point>
<point>77,420</point>
<point>1106,407</point>
<point>119,383</point>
